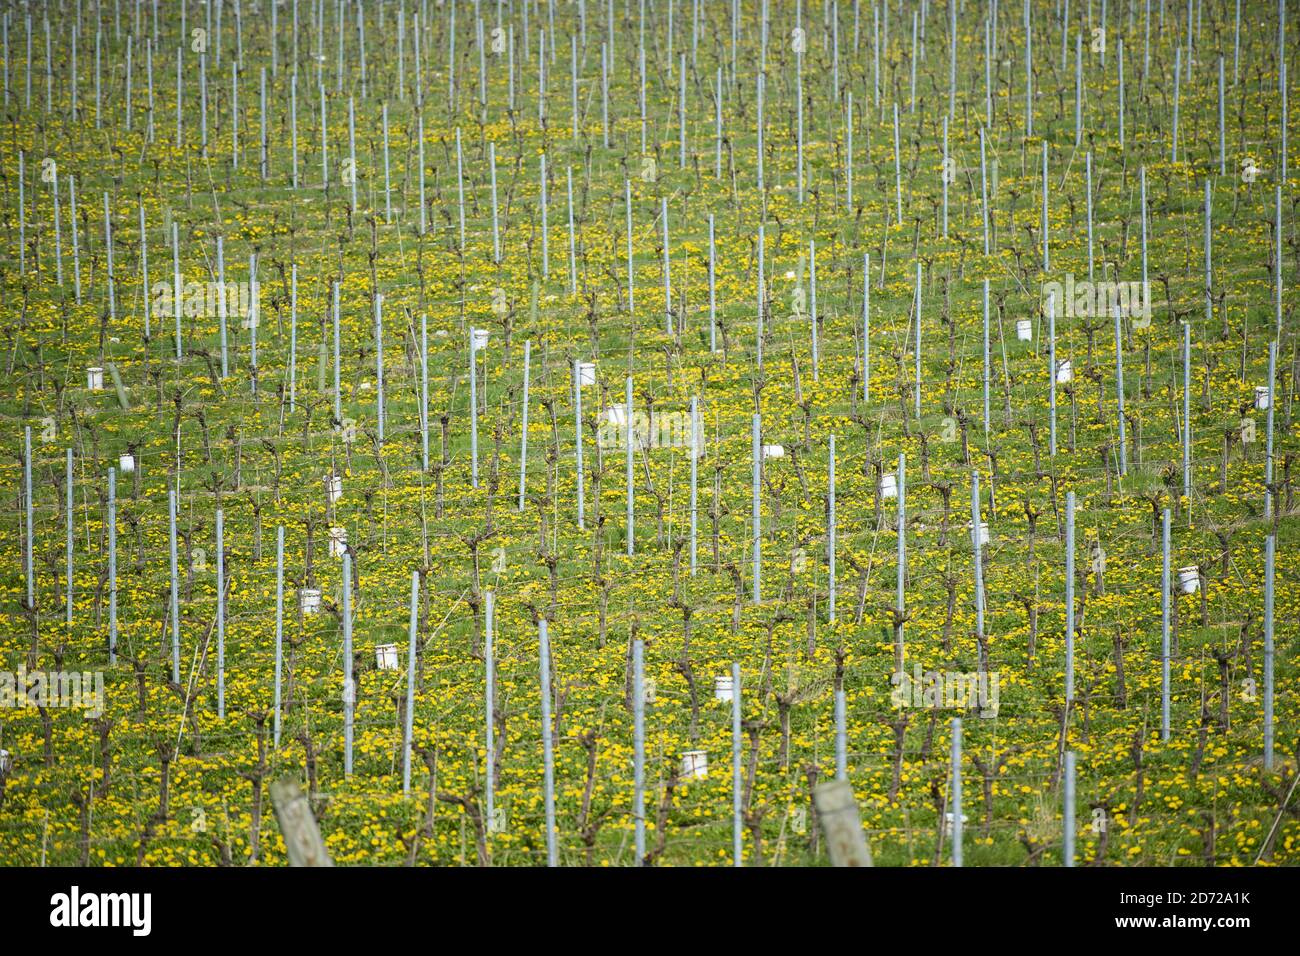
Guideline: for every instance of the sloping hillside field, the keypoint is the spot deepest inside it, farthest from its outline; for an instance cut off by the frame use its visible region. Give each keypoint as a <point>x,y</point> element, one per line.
<point>610,433</point>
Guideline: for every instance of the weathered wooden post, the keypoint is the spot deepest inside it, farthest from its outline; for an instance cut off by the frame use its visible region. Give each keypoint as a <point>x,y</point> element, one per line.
<point>837,814</point>
<point>302,839</point>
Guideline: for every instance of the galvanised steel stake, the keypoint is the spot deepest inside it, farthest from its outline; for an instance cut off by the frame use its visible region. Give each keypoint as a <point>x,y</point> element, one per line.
<point>548,759</point>
<point>1187,414</point>
<point>978,552</point>
<point>175,595</point>
<point>830,530</point>
<point>638,747</point>
<point>1270,561</point>
<point>28,564</point>
<point>111,521</point>
<point>1268,450</point>
<point>629,454</point>
<point>523,430</point>
<point>1069,598</point>
<point>221,605</point>
<point>756,460</point>
<point>410,686</point>
<point>489,707</point>
<point>899,606</point>
<point>696,451</point>
<point>737,809</point>
<point>473,413</point>
<point>279,623</point>
<point>841,742</point>
<point>1164,628</point>
<point>577,428</point>
<point>1119,395</point>
<point>68,506</point>
<point>349,686</point>
<point>1051,369</point>
<point>1068,824</point>
<point>957,839</point>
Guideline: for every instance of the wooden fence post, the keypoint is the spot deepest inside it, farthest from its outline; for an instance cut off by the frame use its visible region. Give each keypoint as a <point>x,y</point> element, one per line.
<point>302,837</point>
<point>837,814</point>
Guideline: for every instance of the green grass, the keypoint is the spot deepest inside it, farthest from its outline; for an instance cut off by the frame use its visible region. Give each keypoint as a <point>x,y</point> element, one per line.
<point>401,518</point>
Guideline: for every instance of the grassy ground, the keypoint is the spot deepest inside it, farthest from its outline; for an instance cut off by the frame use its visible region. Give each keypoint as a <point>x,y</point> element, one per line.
<point>162,779</point>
